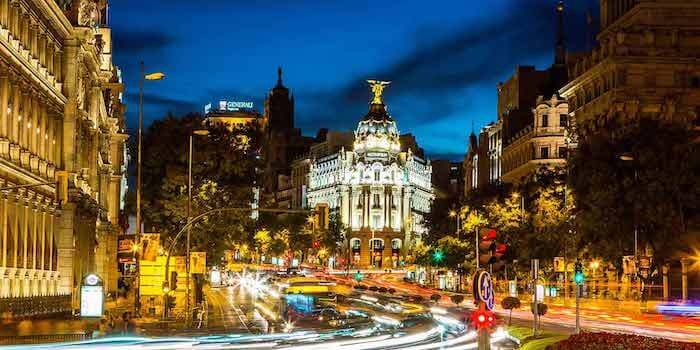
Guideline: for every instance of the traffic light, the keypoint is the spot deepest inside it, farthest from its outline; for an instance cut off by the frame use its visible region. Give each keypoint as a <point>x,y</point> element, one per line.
<point>173,280</point>
<point>358,276</point>
<point>438,256</point>
<point>487,246</point>
<point>483,318</point>
<point>578,273</point>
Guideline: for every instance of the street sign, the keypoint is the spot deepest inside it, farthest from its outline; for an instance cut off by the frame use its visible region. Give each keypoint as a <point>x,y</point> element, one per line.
<point>483,289</point>
<point>559,265</point>
<point>91,296</point>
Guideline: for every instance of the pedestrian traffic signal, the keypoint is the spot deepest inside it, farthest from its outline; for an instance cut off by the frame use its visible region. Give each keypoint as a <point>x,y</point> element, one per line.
<point>173,280</point>
<point>578,273</point>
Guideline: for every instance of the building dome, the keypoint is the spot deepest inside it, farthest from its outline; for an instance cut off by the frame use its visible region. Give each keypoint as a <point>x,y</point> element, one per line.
<point>377,131</point>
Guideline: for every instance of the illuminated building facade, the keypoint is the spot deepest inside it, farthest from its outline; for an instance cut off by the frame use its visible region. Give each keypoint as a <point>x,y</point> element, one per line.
<point>61,117</point>
<point>646,66</point>
<point>379,191</point>
<point>233,114</point>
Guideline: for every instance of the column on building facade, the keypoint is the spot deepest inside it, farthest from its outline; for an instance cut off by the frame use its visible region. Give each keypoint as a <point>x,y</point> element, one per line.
<point>57,66</point>
<point>42,238</point>
<point>43,132</point>
<point>4,102</point>
<point>25,120</point>
<point>58,144</point>
<point>24,222</point>
<point>64,247</point>
<point>344,200</point>
<point>50,147</point>
<point>49,59</point>
<point>14,121</point>
<point>15,205</point>
<point>3,12</point>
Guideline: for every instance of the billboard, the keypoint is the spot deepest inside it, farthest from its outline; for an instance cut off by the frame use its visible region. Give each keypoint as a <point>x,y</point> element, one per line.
<point>150,244</point>
<point>198,262</point>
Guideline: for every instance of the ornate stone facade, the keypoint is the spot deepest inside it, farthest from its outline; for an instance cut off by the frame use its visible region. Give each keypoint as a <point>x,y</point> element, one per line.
<point>645,67</point>
<point>380,192</point>
<point>60,113</point>
<point>541,144</point>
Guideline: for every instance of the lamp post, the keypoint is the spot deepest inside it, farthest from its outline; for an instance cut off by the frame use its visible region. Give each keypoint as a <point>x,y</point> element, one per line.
<point>189,219</point>
<point>628,157</point>
<point>143,77</point>
<point>458,217</point>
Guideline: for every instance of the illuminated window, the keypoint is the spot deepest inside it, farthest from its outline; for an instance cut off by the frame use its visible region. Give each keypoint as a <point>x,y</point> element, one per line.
<point>544,152</point>
<point>376,221</point>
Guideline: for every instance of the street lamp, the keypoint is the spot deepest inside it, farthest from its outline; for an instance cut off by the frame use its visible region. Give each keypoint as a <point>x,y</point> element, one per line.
<point>202,132</point>
<point>628,157</point>
<point>143,77</point>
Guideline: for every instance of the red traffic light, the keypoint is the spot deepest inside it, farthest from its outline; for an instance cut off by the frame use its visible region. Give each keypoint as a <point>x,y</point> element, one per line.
<point>483,319</point>
<point>488,234</point>
<point>316,244</point>
<point>500,250</point>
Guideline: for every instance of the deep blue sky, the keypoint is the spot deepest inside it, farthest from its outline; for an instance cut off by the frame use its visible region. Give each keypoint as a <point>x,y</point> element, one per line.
<point>445,57</point>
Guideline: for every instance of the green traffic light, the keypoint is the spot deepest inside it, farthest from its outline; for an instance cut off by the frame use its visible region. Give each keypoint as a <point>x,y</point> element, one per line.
<point>578,277</point>
<point>438,255</point>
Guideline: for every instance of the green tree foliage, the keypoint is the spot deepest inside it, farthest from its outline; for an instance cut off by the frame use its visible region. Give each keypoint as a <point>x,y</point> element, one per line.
<point>510,303</point>
<point>332,238</point>
<point>455,252</point>
<point>223,173</point>
<point>657,189</point>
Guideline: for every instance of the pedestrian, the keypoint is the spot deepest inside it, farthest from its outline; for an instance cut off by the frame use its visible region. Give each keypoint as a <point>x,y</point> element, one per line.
<point>125,322</point>
<point>110,322</point>
<point>130,325</point>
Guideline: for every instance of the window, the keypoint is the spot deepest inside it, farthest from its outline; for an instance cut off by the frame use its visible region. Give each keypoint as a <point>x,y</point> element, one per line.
<point>376,221</point>
<point>563,120</point>
<point>376,200</point>
<point>544,152</point>
<point>562,152</point>
<point>356,244</point>
<point>376,175</point>
<point>545,121</point>
<point>395,244</point>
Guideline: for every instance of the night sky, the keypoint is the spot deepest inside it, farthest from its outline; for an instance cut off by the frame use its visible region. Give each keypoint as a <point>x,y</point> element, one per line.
<point>445,58</point>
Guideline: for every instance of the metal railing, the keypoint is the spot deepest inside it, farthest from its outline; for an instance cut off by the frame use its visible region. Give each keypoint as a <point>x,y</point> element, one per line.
<point>44,338</point>
<point>35,306</point>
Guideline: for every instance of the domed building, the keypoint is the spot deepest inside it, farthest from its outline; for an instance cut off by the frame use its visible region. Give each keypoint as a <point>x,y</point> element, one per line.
<point>380,192</point>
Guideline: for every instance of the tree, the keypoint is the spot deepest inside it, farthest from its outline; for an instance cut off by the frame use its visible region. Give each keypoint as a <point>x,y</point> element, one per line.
<point>333,237</point>
<point>656,190</point>
<point>457,298</point>
<point>510,303</point>
<point>223,174</point>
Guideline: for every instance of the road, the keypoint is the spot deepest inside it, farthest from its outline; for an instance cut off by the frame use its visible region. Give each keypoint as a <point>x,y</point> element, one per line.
<point>678,328</point>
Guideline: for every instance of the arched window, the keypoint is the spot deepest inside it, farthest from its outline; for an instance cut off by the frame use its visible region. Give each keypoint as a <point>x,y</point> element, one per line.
<point>396,244</point>
<point>355,243</point>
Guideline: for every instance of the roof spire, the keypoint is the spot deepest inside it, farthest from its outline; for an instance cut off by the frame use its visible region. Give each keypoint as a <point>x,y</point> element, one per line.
<point>279,76</point>
<point>560,54</point>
